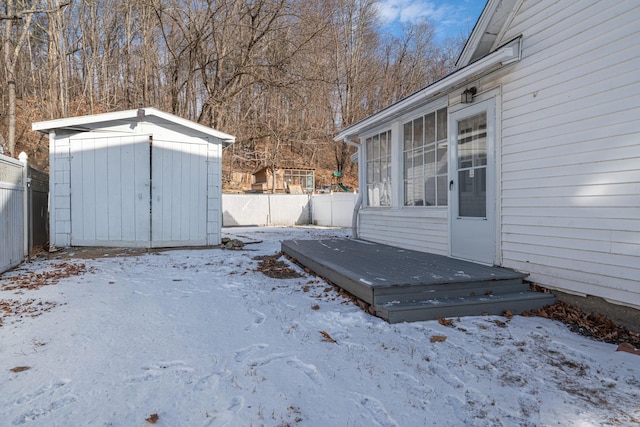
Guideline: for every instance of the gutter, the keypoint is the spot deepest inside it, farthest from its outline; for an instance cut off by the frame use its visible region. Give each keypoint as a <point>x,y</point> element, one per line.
<point>358,205</point>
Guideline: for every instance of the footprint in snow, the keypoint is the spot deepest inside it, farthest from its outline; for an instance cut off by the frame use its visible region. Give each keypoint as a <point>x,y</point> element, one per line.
<point>243,354</point>
<point>29,397</point>
<point>210,382</point>
<point>155,372</point>
<point>39,412</point>
<point>226,416</point>
<point>309,370</point>
<point>258,319</point>
<point>376,410</point>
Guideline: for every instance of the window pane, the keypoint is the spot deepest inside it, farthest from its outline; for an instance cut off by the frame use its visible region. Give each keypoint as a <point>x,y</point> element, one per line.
<point>369,149</point>
<point>383,145</point>
<point>376,170</point>
<point>430,191</point>
<point>370,172</point>
<point>441,158</point>
<point>472,192</point>
<point>418,192</point>
<point>465,146</point>
<point>376,147</point>
<point>480,145</point>
<point>408,193</point>
<point>418,163</point>
<point>373,195</point>
<point>442,123</point>
<point>443,190</point>
<point>418,130</point>
<point>408,133</point>
<point>408,165</point>
<point>429,160</point>
<point>430,127</point>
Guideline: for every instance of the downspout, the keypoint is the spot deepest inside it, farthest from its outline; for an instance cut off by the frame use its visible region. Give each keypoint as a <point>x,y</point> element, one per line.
<point>358,205</point>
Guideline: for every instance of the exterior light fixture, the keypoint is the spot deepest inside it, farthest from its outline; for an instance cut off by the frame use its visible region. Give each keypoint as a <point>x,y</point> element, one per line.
<point>140,114</point>
<point>467,95</point>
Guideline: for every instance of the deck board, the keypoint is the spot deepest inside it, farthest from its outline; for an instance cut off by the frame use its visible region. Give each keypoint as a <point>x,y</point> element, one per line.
<point>402,285</point>
<point>382,266</point>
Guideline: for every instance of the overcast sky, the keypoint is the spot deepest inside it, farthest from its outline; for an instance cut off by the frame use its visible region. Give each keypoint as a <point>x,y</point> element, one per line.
<point>451,17</point>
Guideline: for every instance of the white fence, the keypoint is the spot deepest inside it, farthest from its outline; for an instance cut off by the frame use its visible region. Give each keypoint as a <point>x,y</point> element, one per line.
<point>13,177</point>
<point>286,209</point>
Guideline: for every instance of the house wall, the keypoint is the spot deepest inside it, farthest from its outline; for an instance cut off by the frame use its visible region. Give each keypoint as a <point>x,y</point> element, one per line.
<point>568,153</point>
<point>570,150</point>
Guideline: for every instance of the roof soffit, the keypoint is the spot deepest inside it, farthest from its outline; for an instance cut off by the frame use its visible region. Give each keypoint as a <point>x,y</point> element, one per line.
<point>494,19</point>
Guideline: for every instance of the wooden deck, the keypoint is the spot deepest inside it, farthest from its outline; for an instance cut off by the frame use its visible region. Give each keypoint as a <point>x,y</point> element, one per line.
<point>404,285</point>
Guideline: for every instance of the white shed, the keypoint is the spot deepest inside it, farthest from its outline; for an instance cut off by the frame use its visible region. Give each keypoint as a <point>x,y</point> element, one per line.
<point>527,156</point>
<point>135,178</point>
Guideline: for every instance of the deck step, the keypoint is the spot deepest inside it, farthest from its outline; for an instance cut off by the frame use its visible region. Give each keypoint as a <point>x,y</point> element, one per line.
<point>411,293</point>
<point>433,309</point>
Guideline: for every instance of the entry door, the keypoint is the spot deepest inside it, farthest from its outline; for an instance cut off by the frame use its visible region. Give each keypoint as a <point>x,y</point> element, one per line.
<point>472,183</point>
<point>110,190</point>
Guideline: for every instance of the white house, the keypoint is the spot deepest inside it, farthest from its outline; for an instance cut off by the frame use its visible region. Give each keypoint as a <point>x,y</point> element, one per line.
<point>135,178</point>
<point>527,156</point>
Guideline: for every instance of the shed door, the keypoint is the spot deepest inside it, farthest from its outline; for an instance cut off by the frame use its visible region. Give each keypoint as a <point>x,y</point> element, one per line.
<point>110,191</point>
<point>179,193</point>
<point>472,183</point>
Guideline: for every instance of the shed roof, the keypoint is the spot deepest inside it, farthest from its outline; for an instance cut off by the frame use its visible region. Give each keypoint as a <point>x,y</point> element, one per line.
<point>95,121</point>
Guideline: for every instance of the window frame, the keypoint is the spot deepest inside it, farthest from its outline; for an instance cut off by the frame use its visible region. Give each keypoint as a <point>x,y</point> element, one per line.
<point>379,172</point>
<point>431,180</point>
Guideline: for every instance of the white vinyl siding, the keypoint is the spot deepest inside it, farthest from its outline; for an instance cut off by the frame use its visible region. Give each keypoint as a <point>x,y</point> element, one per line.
<point>423,230</point>
<point>570,203</point>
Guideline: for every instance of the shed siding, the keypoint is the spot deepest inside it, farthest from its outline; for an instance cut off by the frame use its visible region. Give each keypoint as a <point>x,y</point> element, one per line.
<point>60,190</point>
<point>179,150</point>
<point>409,228</point>
<point>214,200</point>
<point>570,199</point>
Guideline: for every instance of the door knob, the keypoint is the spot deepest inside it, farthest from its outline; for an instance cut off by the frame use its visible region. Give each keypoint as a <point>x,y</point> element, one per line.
<point>450,185</point>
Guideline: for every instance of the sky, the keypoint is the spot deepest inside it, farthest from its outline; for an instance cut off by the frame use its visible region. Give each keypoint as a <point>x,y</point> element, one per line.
<point>451,17</point>
<point>201,337</point>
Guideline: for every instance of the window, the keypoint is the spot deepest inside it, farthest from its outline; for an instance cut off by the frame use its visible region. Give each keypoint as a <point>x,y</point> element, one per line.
<point>425,160</point>
<point>379,169</point>
<point>301,177</point>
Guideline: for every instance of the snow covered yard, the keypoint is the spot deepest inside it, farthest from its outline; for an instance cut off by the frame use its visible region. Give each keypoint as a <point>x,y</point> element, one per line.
<point>200,337</point>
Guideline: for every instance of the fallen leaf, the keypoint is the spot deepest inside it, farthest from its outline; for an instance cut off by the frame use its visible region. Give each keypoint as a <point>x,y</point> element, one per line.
<point>500,323</point>
<point>153,418</point>
<point>327,337</point>
<point>627,347</point>
<point>445,322</point>
<point>20,368</point>
<point>315,307</point>
<point>438,338</point>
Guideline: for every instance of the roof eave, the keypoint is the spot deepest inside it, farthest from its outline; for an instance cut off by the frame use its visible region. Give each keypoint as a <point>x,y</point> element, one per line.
<point>76,122</point>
